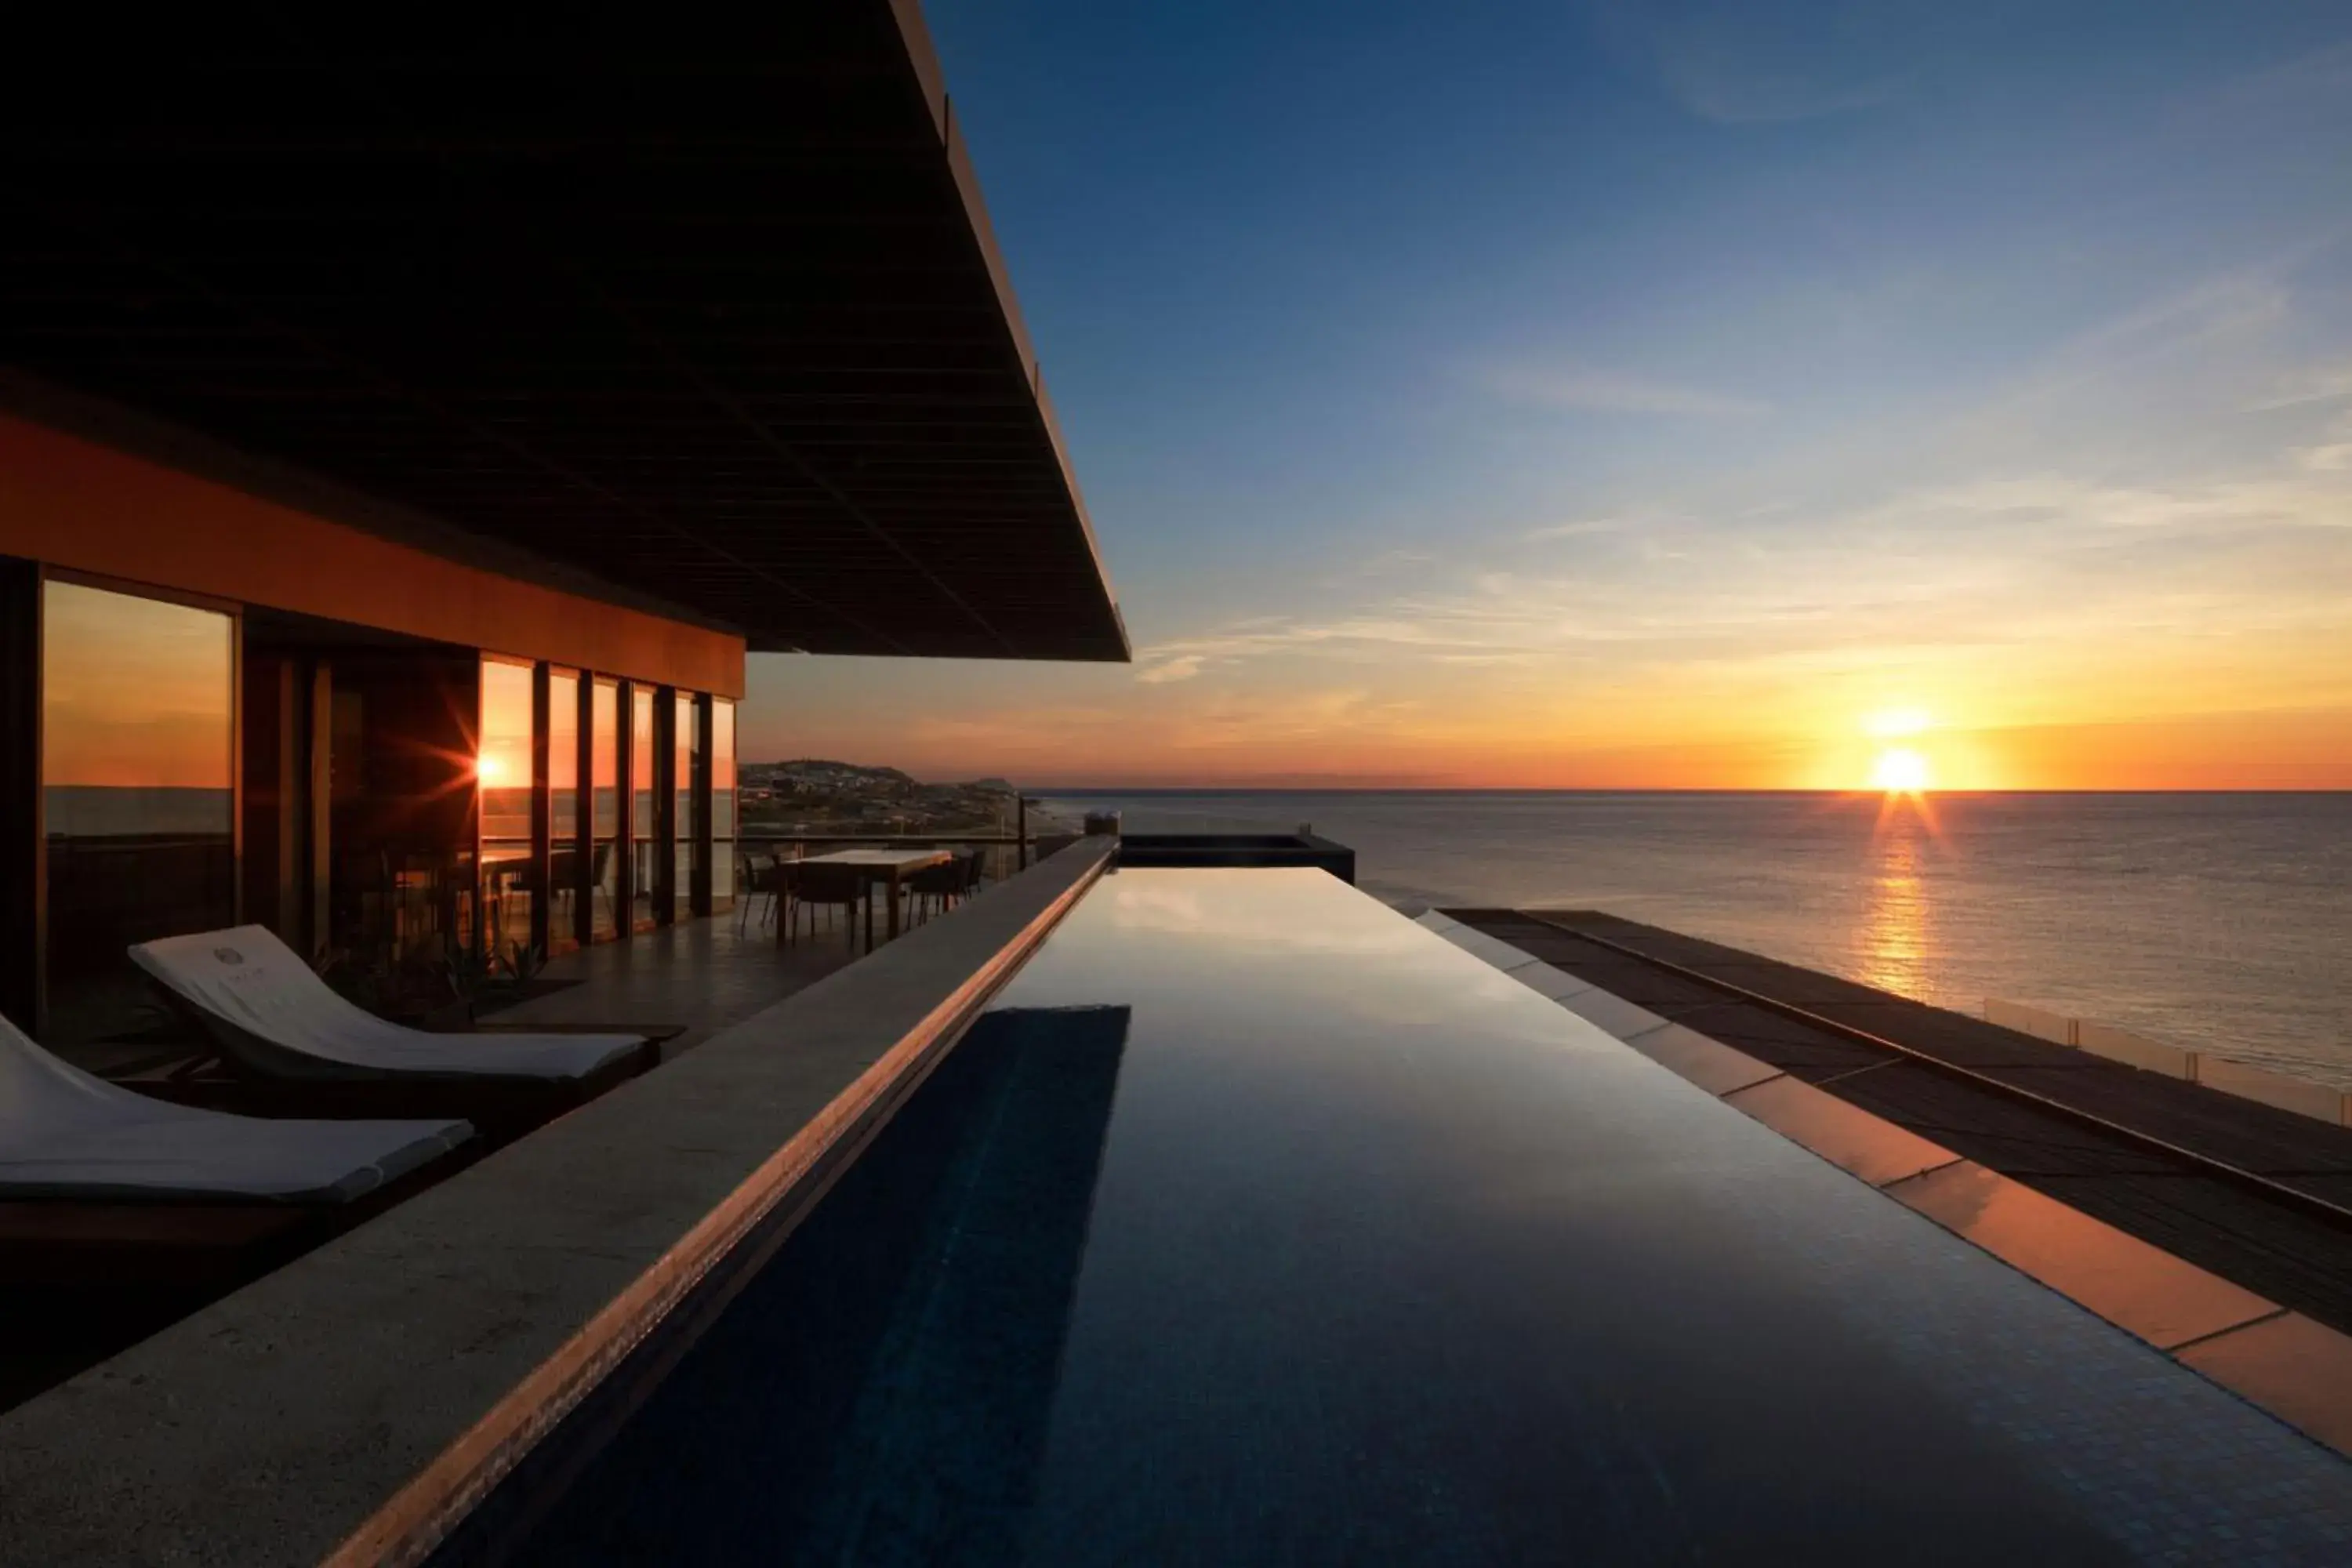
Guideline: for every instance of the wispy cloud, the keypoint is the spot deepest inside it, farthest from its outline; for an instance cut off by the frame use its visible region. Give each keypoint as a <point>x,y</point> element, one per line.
<point>1584,528</point>
<point>1388,563</point>
<point>1737,64</point>
<point>2218,508</point>
<point>1714,86</point>
<point>2322,75</point>
<point>2213,325</point>
<point>1611,392</point>
<point>1166,668</point>
<point>2324,383</point>
<point>1163,663</point>
<point>2033,559</point>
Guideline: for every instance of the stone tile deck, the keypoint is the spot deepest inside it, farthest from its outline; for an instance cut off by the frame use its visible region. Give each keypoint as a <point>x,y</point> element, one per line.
<point>359,1397</point>
<point>2298,1260</point>
<point>702,976</point>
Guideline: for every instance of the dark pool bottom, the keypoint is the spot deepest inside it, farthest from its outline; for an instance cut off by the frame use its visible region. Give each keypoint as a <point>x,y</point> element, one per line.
<point>879,1391</point>
<point>1256,1224</point>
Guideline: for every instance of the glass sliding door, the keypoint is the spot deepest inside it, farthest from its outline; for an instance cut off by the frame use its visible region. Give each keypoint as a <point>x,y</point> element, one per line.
<point>644,828</point>
<point>562,810</point>
<point>502,768</point>
<point>139,716</point>
<point>686,747</point>
<point>722,804</point>
<point>605,766</point>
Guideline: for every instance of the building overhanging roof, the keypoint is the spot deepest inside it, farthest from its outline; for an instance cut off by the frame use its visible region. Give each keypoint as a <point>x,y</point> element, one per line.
<point>712,316</point>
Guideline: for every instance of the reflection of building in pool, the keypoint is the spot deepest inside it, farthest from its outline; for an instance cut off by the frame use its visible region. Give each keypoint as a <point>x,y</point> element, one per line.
<point>383,571</point>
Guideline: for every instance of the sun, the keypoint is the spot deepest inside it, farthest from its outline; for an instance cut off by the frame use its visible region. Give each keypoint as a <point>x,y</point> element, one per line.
<point>1899,770</point>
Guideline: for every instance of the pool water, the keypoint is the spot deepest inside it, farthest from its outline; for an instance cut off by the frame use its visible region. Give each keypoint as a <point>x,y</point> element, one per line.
<point>1253,1224</point>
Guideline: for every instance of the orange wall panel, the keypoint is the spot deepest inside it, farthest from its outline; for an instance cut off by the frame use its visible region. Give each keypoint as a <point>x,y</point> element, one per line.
<point>76,504</point>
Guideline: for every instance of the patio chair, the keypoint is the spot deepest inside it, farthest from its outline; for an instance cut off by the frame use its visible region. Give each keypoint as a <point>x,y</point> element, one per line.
<point>753,881</point>
<point>942,885</point>
<point>66,1135</point>
<point>268,1013</point>
<point>815,885</point>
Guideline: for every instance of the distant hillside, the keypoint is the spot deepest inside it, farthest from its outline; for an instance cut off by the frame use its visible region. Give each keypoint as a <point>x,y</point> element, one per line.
<point>829,771</point>
<point>824,795</point>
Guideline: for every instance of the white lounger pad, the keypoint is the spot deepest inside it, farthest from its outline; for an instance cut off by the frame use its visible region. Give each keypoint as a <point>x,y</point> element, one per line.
<point>66,1134</point>
<point>254,983</point>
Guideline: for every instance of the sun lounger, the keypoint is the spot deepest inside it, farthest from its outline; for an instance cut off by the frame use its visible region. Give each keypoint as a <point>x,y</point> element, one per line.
<point>268,1012</point>
<point>66,1135</point>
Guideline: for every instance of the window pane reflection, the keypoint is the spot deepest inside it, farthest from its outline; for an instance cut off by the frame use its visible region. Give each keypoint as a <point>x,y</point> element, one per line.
<point>563,754</point>
<point>686,739</point>
<point>502,760</point>
<point>641,805</point>
<point>502,764</point>
<point>722,802</point>
<point>605,761</point>
<point>138,714</point>
<point>563,809</point>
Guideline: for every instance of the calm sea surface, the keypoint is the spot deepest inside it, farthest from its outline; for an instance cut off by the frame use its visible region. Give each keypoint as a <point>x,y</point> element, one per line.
<point>2221,923</point>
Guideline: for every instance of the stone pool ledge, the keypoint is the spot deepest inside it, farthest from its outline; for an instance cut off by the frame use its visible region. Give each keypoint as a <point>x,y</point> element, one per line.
<point>352,1406</point>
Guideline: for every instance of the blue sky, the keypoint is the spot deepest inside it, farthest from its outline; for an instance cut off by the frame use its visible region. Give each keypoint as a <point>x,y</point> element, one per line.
<point>1559,393</point>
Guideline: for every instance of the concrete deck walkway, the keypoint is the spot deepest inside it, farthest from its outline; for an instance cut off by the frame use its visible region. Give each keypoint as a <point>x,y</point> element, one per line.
<point>702,976</point>
<point>350,1407</point>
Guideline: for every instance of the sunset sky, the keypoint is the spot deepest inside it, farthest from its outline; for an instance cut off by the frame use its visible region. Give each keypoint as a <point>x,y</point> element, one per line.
<point>1499,395</point>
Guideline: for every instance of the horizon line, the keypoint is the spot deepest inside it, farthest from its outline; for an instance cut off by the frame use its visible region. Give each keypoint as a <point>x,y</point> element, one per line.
<point>1642,789</point>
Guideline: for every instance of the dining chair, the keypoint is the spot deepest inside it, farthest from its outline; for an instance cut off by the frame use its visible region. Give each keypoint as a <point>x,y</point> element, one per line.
<point>817,884</point>
<point>756,881</point>
<point>939,884</point>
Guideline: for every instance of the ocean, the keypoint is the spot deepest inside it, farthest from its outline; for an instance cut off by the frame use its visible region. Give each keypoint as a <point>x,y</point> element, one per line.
<point>2217,923</point>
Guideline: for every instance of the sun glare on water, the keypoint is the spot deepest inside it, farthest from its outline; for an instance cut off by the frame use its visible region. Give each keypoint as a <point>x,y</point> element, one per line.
<point>1900,771</point>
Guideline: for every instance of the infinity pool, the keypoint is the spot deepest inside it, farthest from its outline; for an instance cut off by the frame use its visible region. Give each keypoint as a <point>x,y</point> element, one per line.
<point>1253,1224</point>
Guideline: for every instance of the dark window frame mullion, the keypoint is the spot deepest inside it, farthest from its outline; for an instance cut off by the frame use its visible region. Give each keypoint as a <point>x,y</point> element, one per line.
<point>24,850</point>
<point>705,847</point>
<point>624,840</point>
<point>583,813</point>
<point>665,806</point>
<point>542,806</point>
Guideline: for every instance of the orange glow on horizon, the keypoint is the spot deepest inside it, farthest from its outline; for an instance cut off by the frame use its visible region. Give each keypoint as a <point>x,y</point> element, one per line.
<point>1498,728</point>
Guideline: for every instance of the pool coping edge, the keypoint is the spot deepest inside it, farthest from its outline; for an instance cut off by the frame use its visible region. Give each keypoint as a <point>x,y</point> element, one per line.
<point>353,1405</point>
<point>2214,1354</point>
<point>414,1523</point>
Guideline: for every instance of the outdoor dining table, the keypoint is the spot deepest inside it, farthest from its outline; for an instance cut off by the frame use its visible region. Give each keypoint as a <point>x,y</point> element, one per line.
<point>887,867</point>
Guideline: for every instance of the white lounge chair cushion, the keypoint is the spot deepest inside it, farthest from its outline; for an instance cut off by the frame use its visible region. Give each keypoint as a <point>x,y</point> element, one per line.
<point>65,1134</point>
<point>247,979</point>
